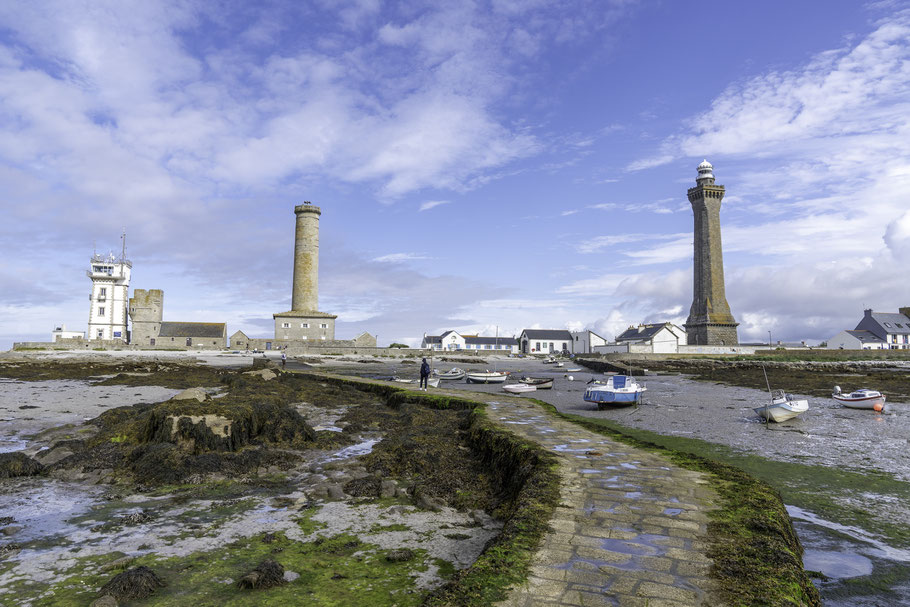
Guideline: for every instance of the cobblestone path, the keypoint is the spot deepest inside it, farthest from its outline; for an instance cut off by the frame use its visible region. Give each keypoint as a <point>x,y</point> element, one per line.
<point>631,526</point>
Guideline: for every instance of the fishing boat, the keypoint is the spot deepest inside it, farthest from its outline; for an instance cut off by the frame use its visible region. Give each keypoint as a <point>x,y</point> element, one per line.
<point>541,383</point>
<point>519,388</point>
<point>452,374</point>
<point>782,407</point>
<point>862,398</point>
<point>617,391</point>
<point>486,377</point>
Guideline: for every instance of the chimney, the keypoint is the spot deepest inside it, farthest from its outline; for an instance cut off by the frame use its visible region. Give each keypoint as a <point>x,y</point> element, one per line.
<point>905,311</point>
<point>868,312</point>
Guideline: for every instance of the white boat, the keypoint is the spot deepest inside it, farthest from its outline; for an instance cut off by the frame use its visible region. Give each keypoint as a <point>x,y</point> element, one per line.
<point>862,398</point>
<point>452,374</point>
<point>433,382</point>
<point>559,364</point>
<point>486,377</point>
<point>549,360</point>
<point>574,370</point>
<point>782,407</point>
<point>541,383</point>
<point>618,391</point>
<point>519,388</point>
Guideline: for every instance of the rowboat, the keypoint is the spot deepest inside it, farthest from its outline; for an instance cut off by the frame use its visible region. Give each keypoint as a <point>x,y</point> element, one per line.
<point>541,383</point>
<point>617,391</point>
<point>862,398</point>
<point>519,388</point>
<point>451,374</point>
<point>486,377</point>
<point>782,407</point>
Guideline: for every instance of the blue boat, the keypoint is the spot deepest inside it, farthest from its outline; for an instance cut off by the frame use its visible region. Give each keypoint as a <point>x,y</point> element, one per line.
<point>617,391</point>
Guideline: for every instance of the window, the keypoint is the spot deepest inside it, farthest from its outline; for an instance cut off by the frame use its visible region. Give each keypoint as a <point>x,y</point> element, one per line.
<point>537,346</point>
<point>564,346</point>
<point>887,324</point>
<point>101,311</point>
<point>304,325</point>
<point>323,337</point>
<point>151,341</point>
<point>285,325</point>
<point>899,325</point>
<point>102,292</point>
<point>324,326</point>
<point>100,333</point>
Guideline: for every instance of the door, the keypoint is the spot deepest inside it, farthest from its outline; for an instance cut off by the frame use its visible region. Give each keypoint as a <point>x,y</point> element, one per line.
<point>189,341</point>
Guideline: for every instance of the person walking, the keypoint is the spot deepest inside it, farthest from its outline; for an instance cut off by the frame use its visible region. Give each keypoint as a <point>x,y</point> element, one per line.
<point>284,359</point>
<point>424,374</point>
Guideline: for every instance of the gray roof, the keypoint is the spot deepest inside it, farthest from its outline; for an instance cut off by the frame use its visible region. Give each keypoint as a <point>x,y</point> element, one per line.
<point>899,323</point>
<point>643,332</point>
<point>866,336</point>
<point>432,339</point>
<point>502,341</point>
<point>192,329</point>
<point>547,334</point>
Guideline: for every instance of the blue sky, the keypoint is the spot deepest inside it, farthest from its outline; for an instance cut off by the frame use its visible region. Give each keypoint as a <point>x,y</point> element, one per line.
<point>479,164</point>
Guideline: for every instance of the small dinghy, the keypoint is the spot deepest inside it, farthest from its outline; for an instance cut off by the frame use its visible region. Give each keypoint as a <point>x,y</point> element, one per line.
<point>486,377</point>
<point>782,407</point>
<point>452,374</point>
<point>519,388</point>
<point>862,398</point>
<point>541,383</point>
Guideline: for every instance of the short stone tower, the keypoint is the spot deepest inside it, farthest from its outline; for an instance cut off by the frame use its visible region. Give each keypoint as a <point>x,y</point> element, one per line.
<point>107,304</point>
<point>146,313</point>
<point>710,320</point>
<point>304,321</point>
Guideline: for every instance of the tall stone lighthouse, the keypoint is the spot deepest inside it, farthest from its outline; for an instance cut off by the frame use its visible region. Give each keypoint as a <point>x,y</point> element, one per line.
<point>710,321</point>
<point>304,322</point>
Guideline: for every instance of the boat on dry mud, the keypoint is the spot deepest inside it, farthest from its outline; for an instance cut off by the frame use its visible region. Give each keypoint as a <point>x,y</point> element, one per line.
<point>486,377</point>
<point>861,398</point>
<point>452,374</point>
<point>782,407</point>
<point>617,391</point>
<point>541,383</point>
<point>519,388</point>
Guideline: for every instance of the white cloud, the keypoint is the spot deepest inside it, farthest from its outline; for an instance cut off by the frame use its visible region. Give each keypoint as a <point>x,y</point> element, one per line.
<point>431,204</point>
<point>400,257</point>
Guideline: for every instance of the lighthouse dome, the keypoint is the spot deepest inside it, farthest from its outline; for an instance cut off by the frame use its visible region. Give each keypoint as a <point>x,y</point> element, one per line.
<point>705,171</point>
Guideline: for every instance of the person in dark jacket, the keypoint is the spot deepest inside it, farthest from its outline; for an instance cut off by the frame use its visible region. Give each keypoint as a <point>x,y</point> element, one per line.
<point>424,374</point>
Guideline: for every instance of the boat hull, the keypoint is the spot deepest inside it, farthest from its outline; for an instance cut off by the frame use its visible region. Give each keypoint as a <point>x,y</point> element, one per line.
<point>781,412</point>
<point>519,388</point>
<point>485,378</point>
<point>871,402</point>
<point>619,391</point>
<point>541,383</point>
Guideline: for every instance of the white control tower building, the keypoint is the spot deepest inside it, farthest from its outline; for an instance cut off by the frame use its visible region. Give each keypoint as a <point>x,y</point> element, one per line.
<point>107,316</point>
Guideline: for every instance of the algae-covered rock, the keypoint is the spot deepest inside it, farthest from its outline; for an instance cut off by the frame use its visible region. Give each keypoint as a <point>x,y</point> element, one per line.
<point>225,425</point>
<point>265,374</point>
<point>267,574</point>
<point>197,394</point>
<point>136,583</point>
<point>105,601</point>
<point>399,556</point>
<point>18,464</point>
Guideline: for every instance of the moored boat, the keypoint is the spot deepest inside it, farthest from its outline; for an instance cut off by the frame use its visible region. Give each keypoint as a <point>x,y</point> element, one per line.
<point>541,383</point>
<point>782,407</point>
<point>452,374</point>
<point>519,388</point>
<point>861,398</point>
<point>617,391</point>
<point>486,377</point>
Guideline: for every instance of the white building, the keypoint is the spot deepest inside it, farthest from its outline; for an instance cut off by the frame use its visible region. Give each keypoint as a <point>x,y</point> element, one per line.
<point>876,331</point>
<point>546,341</point>
<point>585,341</point>
<point>61,333</point>
<point>659,338</point>
<point>454,341</point>
<point>107,316</point>
<point>856,340</point>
